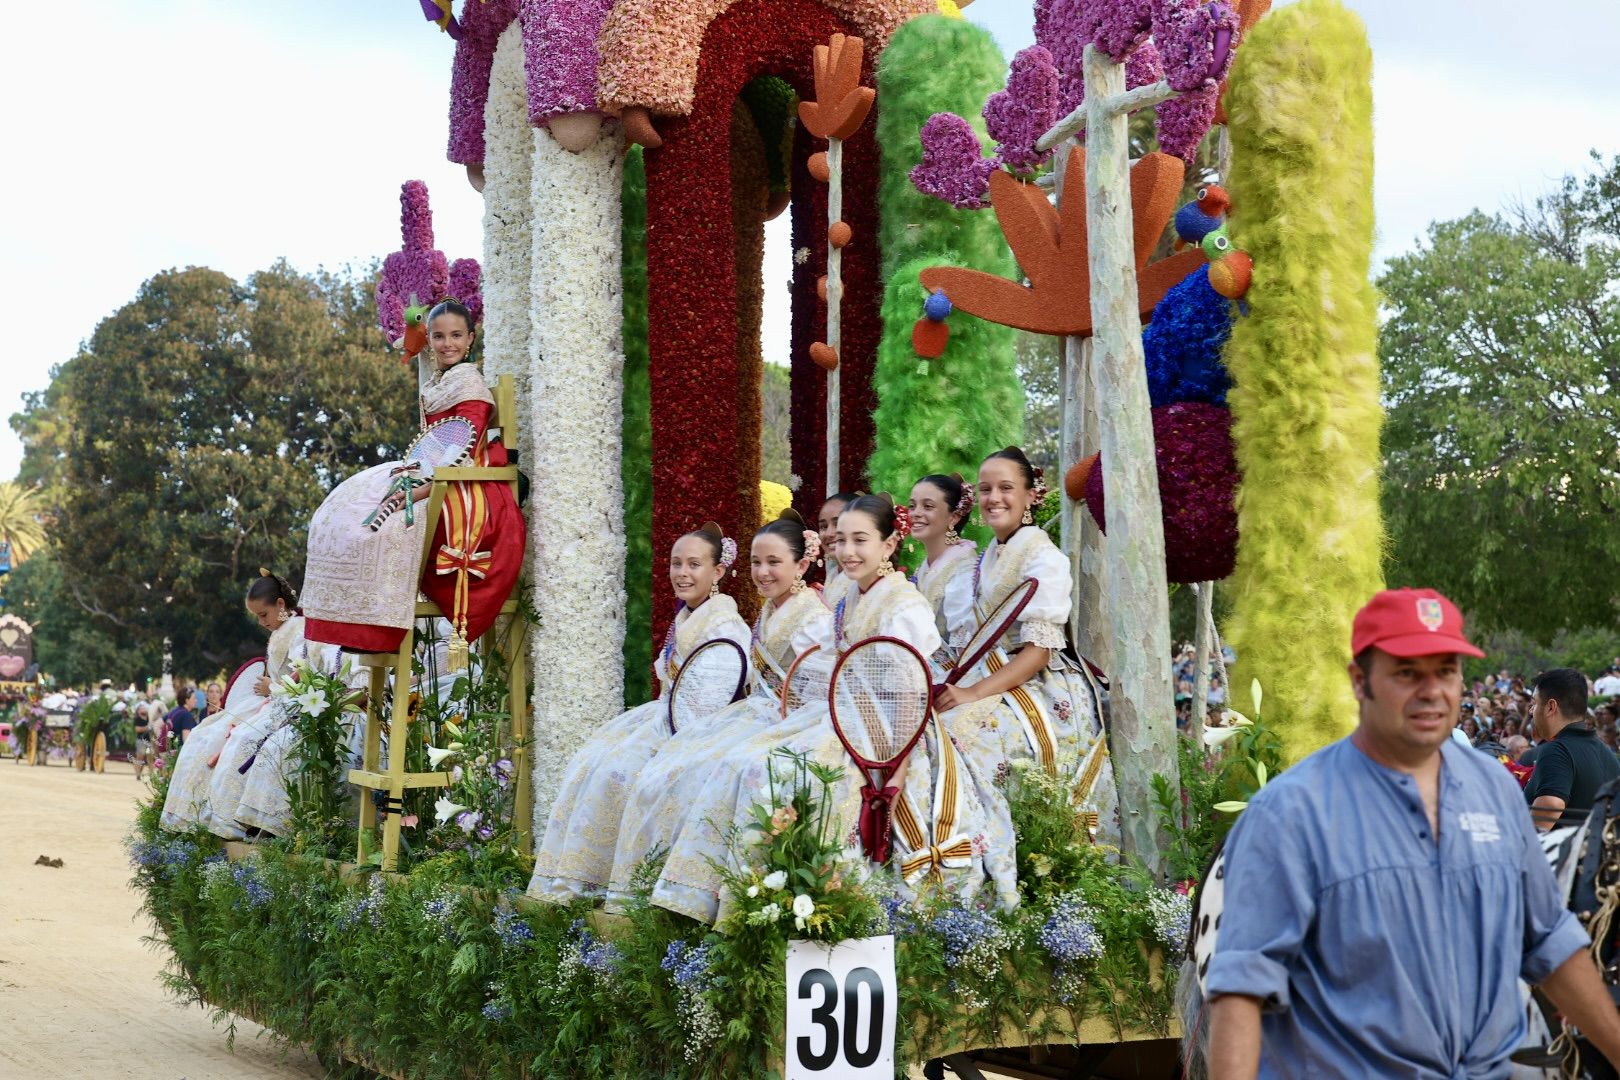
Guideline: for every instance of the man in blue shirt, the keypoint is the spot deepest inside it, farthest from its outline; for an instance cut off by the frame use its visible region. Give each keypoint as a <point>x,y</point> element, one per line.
<point>1385,895</point>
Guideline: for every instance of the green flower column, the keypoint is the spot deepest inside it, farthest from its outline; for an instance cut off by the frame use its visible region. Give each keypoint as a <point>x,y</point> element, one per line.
<point>941,415</point>
<point>1304,365</point>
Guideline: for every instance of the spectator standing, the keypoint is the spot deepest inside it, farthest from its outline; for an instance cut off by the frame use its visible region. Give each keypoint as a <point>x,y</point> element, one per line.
<point>142,715</point>
<point>1608,684</point>
<point>1572,763</point>
<point>1342,951</point>
<point>181,719</point>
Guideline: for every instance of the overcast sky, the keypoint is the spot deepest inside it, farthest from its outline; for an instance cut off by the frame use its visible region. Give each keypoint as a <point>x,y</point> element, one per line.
<point>227,133</point>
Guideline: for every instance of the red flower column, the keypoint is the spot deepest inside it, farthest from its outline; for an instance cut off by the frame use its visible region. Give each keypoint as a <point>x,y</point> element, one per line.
<point>692,293</point>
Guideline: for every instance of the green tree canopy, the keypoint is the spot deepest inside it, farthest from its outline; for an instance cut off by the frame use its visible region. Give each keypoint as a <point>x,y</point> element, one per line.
<point>1501,361</point>
<point>188,443</point>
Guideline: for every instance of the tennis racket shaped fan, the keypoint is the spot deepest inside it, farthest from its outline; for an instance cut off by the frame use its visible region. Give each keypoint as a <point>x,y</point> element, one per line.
<point>805,681</point>
<point>880,698</point>
<point>712,678</point>
<point>991,631</point>
<point>442,444</point>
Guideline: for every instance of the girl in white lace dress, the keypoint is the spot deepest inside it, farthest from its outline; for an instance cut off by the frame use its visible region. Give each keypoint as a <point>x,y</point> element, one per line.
<point>939,505</point>
<point>270,601</point>
<point>1026,698</point>
<point>791,624</point>
<point>873,601</point>
<point>575,857</point>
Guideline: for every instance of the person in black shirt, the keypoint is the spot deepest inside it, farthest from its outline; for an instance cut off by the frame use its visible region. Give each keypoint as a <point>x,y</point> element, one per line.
<point>1571,763</point>
<point>181,720</point>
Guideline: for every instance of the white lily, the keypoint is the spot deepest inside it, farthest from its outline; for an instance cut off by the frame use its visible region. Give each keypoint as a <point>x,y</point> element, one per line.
<point>444,810</point>
<point>436,756</point>
<point>1254,693</point>
<point>776,879</point>
<point>313,702</point>
<point>1215,736</point>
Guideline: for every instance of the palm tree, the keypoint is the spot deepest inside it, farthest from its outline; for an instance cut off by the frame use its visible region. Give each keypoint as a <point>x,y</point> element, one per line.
<point>21,520</point>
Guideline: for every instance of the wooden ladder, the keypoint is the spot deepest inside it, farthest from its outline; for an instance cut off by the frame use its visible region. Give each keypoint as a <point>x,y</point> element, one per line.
<point>383,784</point>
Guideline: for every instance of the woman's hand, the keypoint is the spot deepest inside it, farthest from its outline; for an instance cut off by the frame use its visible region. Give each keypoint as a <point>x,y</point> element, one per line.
<point>949,697</point>
<point>261,686</point>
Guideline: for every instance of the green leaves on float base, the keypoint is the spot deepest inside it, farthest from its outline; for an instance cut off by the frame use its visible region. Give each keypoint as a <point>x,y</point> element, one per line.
<point>189,442</point>
<point>1501,365</point>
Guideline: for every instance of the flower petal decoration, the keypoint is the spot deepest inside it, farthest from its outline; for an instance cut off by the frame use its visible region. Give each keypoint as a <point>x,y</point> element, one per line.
<point>842,103</point>
<point>438,755</point>
<point>1050,244</point>
<point>444,809</point>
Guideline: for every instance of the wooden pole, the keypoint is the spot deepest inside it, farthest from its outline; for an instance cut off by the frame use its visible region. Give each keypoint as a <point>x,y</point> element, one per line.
<point>1082,540</point>
<point>1142,710</point>
<point>835,296</point>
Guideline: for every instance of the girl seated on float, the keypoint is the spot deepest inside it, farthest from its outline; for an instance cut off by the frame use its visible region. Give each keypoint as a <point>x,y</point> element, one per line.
<point>827,528</point>
<point>575,857</point>
<point>939,505</point>
<point>187,806</point>
<point>872,601</point>
<point>1026,698</point>
<point>792,622</point>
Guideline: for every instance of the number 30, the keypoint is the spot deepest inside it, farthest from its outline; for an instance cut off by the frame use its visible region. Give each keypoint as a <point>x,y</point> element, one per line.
<point>825,1014</point>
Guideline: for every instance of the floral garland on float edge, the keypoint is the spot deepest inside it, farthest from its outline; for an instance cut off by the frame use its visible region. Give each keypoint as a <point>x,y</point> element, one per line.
<point>514,986</point>
<point>577,357</point>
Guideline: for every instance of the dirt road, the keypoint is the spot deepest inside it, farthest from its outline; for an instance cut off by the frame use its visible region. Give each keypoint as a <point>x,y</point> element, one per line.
<point>78,988</point>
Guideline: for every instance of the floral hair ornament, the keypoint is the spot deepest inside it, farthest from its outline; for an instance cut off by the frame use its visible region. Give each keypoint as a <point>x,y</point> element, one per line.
<point>812,544</point>
<point>1040,483</point>
<point>902,522</point>
<point>964,505</point>
<point>728,552</point>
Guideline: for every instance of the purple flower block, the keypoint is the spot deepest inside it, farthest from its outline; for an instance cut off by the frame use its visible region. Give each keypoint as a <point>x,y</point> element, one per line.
<point>1117,27</point>
<point>953,166</point>
<point>481,25</point>
<point>1195,42</point>
<point>1018,116</point>
<point>465,279</point>
<point>559,54</point>
<point>1182,122</point>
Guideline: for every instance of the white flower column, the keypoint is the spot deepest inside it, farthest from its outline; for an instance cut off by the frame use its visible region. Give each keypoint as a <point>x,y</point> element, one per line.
<point>576,352</point>
<point>508,150</point>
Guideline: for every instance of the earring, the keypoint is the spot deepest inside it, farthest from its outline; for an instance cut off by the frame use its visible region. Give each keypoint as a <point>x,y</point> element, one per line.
<point>952,537</point>
<point>1029,517</point>
<point>714,590</point>
<point>885,567</point>
<point>798,586</point>
<point>283,615</point>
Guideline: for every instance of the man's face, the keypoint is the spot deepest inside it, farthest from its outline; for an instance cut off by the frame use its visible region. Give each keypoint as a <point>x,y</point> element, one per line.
<point>1542,715</point>
<point>1409,704</point>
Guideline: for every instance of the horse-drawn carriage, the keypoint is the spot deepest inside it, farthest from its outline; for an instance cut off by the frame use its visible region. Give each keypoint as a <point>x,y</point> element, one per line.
<point>50,731</point>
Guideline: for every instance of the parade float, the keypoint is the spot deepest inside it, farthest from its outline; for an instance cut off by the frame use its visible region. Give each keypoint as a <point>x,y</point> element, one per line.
<point>1193,168</point>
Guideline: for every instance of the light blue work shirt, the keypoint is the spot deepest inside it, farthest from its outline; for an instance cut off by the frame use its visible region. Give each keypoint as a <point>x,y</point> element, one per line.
<point>1376,951</point>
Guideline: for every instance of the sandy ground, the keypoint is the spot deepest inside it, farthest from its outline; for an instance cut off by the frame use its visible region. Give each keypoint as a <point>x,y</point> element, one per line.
<point>78,988</point>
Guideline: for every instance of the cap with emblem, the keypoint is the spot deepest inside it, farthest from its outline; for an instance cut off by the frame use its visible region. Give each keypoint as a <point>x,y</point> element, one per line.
<point>1410,622</point>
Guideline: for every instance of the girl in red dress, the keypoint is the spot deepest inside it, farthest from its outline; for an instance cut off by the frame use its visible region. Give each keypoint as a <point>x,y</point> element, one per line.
<point>361,583</point>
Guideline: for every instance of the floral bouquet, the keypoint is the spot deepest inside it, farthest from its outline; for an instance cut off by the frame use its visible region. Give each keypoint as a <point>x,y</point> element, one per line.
<point>797,874</point>
<point>317,706</point>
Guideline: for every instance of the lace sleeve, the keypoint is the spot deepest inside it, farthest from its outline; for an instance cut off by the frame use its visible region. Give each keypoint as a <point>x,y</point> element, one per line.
<point>1046,635</point>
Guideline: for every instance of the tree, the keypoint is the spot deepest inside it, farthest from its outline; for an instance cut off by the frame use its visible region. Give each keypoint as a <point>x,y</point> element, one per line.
<point>190,440</point>
<point>776,401</point>
<point>1502,384</point>
<point>20,520</point>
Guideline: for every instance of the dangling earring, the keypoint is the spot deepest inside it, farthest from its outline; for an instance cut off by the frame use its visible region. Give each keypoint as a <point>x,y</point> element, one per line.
<point>282,615</point>
<point>885,568</point>
<point>1029,516</point>
<point>797,586</point>
<point>714,590</point>
<point>952,537</point>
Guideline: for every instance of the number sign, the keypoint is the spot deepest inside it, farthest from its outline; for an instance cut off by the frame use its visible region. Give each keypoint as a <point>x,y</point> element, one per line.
<point>841,1004</point>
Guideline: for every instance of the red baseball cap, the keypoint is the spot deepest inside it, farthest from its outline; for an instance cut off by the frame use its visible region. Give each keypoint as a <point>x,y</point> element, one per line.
<point>1410,622</point>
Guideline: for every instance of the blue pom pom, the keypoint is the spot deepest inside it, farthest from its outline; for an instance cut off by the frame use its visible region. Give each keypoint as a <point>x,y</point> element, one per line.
<point>1183,343</point>
<point>937,307</point>
<point>1192,224</point>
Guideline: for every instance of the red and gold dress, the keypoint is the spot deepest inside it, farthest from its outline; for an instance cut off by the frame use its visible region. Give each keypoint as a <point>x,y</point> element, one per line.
<point>360,585</point>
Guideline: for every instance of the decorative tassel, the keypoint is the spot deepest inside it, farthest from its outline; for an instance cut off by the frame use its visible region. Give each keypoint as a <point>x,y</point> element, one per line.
<point>458,647</point>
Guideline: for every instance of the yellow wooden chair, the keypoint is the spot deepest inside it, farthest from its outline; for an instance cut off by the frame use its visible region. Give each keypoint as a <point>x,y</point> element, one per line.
<point>383,784</point>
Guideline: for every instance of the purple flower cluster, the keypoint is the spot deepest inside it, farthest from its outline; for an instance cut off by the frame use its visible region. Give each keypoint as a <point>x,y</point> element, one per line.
<point>440,911</point>
<point>497,1011</point>
<point>953,166</point>
<point>601,958</point>
<point>172,854</point>
<point>466,278</point>
<point>1019,115</point>
<point>966,932</point>
<point>481,26</point>
<point>1055,30</point>
<point>1114,26</point>
<point>511,928</point>
<point>897,914</point>
<point>367,907</point>
<point>417,273</point>
<point>1172,918</point>
<point>1195,41</point>
<point>1182,122</point>
<point>255,890</point>
<point>1068,935</point>
<point>559,54</point>
<point>688,966</point>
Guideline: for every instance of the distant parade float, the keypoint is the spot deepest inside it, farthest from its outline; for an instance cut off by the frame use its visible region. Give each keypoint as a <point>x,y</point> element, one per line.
<point>576,756</point>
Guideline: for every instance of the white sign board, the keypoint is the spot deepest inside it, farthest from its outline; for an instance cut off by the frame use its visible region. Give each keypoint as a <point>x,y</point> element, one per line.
<point>841,1004</point>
